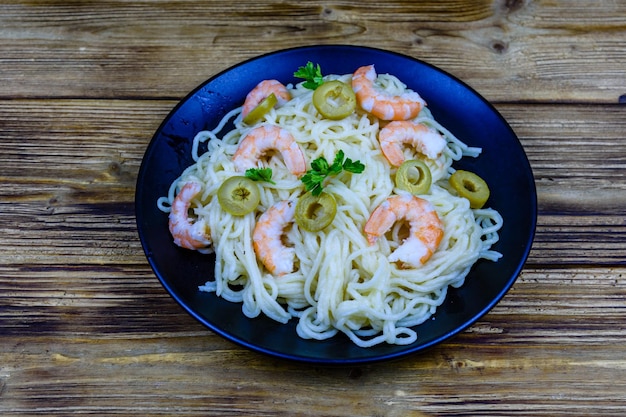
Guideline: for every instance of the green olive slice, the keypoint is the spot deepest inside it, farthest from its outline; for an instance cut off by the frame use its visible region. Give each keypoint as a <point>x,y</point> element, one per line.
<point>471,186</point>
<point>314,213</point>
<point>414,176</point>
<point>239,195</point>
<point>261,109</point>
<point>334,100</point>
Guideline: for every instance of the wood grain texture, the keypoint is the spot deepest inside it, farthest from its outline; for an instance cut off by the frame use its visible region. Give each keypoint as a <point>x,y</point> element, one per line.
<point>77,176</point>
<point>578,160</point>
<point>87,329</point>
<point>508,50</point>
<point>535,353</point>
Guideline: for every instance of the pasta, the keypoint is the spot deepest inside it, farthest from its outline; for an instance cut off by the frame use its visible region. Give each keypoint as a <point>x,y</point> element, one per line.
<point>341,282</point>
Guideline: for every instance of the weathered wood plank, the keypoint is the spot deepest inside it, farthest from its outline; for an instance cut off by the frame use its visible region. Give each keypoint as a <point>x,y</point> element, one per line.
<point>68,173</point>
<point>75,186</point>
<point>128,299</point>
<point>557,329</point>
<point>80,306</point>
<point>85,326</point>
<point>507,50</point>
<point>578,158</point>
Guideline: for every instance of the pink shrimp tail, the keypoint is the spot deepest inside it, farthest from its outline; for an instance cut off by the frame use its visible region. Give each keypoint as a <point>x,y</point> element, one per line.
<point>422,138</point>
<point>264,138</point>
<point>262,91</point>
<point>380,104</point>
<point>425,228</point>
<point>277,258</point>
<point>187,234</point>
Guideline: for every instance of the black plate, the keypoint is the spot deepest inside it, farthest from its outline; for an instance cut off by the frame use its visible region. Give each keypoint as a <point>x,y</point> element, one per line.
<point>503,164</point>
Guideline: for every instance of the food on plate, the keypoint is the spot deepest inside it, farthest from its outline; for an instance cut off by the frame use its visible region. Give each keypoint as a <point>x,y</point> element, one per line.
<point>238,195</point>
<point>413,176</point>
<point>315,212</point>
<point>425,228</point>
<point>333,202</point>
<point>382,103</point>
<point>267,94</point>
<point>471,186</point>
<point>334,100</point>
<point>188,234</point>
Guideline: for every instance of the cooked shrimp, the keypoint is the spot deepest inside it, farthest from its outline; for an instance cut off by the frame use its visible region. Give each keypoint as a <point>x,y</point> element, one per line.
<point>264,138</point>
<point>188,234</point>
<point>425,228</point>
<point>267,241</point>
<point>383,105</point>
<point>424,139</point>
<point>262,91</point>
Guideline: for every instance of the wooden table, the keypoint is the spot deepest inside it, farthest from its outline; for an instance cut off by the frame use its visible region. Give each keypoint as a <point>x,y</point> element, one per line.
<point>86,328</point>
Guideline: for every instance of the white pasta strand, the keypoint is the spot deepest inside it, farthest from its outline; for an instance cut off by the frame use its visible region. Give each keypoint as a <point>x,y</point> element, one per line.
<point>341,283</point>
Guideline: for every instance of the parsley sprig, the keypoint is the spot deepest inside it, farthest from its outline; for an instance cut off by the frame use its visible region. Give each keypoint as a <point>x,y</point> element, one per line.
<point>260,174</point>
<point>312,75</point>
<point>320,169</point>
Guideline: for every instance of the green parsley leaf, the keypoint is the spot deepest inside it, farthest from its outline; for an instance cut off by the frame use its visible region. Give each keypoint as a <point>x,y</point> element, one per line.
<point>312,75</point>
<point>355,167</point>
<point>313,184</point>
<point>336,167</point>
<point>313,179</point>
<point>260,174</point>
<point>320,165</point>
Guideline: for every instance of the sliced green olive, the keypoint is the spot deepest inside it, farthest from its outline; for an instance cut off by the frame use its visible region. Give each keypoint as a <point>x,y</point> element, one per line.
<point>239,195</point>
<point>261,109</point>
<point>414,176</point>
<point>314,213</point>
<point>334,100</point>
<point>470,186</point>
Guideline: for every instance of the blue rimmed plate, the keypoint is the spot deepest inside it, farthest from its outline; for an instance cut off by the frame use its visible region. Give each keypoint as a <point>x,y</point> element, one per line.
<point>455,105</point>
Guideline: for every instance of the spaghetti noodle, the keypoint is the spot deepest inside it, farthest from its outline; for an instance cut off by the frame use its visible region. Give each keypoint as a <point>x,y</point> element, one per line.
<point>341,283</point>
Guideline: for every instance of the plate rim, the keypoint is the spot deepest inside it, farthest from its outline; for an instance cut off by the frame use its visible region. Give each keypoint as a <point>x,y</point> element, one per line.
<point>331,361</point>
